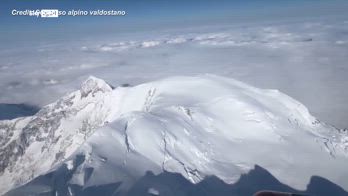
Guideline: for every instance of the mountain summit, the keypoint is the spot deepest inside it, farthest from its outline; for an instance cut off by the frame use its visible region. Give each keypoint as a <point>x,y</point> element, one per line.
<point>194,126</point>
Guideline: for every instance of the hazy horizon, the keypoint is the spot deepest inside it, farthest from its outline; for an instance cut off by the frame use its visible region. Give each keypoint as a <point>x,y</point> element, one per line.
<point>298,47</point>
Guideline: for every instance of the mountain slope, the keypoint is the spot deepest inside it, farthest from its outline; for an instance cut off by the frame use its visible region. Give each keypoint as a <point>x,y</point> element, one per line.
<point>195,126</point>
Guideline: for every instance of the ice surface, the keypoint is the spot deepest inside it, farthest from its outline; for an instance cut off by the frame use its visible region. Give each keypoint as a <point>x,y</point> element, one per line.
<point>196,126</point>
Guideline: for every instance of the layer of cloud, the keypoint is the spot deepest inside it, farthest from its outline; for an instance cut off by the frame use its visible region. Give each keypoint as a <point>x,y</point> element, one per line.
<point>307,60</point>
<point>269,36</point>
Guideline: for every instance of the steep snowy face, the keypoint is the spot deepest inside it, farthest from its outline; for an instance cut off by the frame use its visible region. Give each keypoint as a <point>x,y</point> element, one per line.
<point>195,126</point>
<point>32,145</point>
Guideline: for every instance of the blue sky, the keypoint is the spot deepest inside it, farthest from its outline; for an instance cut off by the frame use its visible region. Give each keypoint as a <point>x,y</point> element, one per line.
<point>152,14</point>
<point>169,11</point>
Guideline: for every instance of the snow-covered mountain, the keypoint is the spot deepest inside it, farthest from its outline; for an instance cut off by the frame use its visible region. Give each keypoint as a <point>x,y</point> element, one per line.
<point>194,126</point>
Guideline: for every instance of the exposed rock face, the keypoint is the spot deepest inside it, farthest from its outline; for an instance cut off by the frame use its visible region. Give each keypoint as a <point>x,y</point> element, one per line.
<point>52,134</point>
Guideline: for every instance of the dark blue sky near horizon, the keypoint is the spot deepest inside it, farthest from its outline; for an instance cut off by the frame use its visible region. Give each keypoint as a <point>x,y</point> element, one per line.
<point>160,12</point>
<point>151,15</point>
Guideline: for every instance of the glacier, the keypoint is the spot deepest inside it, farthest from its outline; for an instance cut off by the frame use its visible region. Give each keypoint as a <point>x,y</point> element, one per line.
<point>195,126</point>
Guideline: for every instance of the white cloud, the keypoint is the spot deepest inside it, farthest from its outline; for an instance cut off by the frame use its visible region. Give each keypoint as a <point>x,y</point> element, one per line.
<point>305,60</point>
